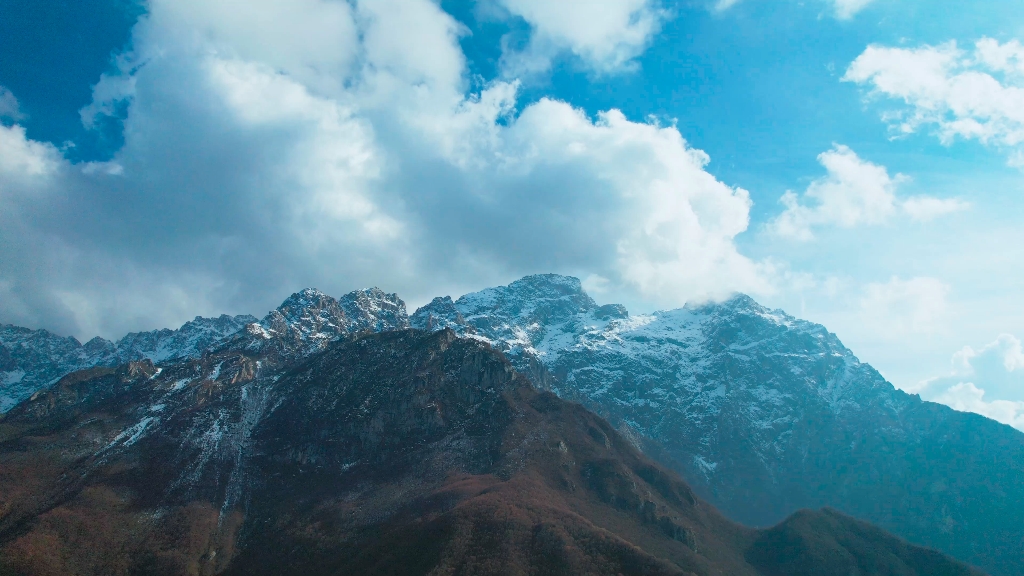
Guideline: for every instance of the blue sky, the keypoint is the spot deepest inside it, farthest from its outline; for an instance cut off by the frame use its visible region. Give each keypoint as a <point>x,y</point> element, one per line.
<point>841,159</point>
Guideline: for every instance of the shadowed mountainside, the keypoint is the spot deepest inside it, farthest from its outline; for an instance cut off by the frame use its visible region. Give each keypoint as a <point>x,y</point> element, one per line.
<point>395,453</point>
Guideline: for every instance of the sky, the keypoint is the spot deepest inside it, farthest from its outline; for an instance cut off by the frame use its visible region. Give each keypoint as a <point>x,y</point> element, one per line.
<point>858,163</point>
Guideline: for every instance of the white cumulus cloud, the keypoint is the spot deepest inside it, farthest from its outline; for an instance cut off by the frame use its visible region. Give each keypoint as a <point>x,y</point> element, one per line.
<point>855,192</point>
<point>255,163</point>
<point>975,95</point>
<point>24,160</point>
<point>605,34</point>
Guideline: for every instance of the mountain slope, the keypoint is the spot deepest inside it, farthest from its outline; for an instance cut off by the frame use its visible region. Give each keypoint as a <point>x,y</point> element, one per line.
<point>762,413</point>
<point>395,453</point>
<point>765,414</point>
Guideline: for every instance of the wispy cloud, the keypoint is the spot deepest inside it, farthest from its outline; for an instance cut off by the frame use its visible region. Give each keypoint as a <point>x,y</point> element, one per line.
<point>854,193</point>
<point>841,9</point>
<point>847,9</point>
<point>9,107</point>
<point>988,381</point>
<point>900,308</point>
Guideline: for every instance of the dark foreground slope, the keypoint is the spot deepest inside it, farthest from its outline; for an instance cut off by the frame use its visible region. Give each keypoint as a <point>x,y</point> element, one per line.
<point>395,453</point>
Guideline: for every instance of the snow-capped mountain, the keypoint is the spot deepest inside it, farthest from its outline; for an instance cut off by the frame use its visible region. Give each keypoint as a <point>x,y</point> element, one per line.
<point>31,360</point>
<point>307,321</point>
<point>763,413</point>
<point>189,341</point>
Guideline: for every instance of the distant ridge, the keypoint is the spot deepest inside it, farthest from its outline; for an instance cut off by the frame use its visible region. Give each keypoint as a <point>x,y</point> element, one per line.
<point>34,359</point>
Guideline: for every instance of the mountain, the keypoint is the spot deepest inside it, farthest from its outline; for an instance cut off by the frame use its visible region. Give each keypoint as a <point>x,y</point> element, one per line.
<point>307,321</point>
<point>403,452</point>
<point>34,359</point>
<point>763,414</point>
<point>31,360</point>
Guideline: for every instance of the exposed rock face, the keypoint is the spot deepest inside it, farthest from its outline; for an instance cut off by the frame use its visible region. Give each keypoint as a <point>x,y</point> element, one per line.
<point>395,453</point>
<point>308,321</point>
<point>765,414</point>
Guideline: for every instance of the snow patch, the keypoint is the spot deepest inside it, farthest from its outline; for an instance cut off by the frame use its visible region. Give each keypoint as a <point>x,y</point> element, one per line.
<point>708,468</point>
<point>133,434</point>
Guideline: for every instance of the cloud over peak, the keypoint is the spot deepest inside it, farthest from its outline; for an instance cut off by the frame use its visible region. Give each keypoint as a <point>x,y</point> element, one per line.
<point>342,149</point>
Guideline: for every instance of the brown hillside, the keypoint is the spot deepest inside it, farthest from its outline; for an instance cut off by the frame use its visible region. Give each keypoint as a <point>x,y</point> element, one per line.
<point>396,453</point>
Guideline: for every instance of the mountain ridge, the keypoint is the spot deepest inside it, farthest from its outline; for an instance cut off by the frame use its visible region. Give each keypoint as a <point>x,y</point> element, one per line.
<point>31,360</point>
<point>762,413</point>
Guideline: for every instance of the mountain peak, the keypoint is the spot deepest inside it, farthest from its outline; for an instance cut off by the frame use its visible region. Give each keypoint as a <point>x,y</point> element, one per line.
<point>543,297</point>
<point>304,298</point>
<point>309,320</point>
<point>374,309</point>
<point>740,304</point>
<point>438,314</point>
<point>549,283</point>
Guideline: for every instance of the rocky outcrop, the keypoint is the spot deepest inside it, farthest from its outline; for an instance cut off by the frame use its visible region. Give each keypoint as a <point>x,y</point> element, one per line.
<point>308,321</point>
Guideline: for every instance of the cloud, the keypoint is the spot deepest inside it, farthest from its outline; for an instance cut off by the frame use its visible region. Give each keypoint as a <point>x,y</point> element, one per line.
<point>899,308</point>
<point>841,9</point>
<point>975,96</point>
<point>988,381</point>
<point>721,5</point>
<point>847,9</point>
<point>605,35</point>
<point>255,164</point>
<point>854,193</point>
<point>24,163</point>
<point>998,366</point>
<point>926,208</point>
<point>9,107</point>
<point>966,397</point>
